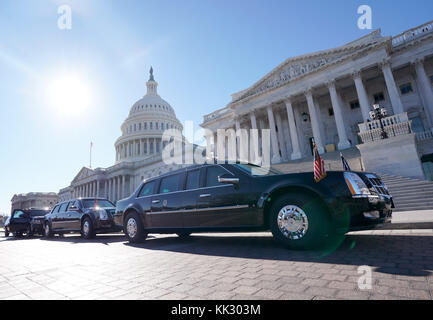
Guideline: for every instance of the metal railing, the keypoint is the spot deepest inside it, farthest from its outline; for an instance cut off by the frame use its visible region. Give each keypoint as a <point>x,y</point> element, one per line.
<point>394,125</point>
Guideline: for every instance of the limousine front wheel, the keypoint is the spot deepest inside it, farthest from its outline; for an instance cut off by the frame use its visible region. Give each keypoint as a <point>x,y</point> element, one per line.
<point>48,232</point>
<point>299,221</point>
<point>134,228</point>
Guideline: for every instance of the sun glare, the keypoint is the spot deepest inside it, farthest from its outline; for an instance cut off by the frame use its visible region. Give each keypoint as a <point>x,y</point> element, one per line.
<point>69,95</point>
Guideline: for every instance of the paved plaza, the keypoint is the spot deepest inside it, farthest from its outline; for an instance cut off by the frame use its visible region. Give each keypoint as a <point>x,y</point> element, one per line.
<point>216,266</point>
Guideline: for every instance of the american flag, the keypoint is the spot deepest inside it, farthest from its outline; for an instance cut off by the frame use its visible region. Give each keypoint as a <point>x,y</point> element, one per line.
<point>345,164</point>
<point>319,165</point>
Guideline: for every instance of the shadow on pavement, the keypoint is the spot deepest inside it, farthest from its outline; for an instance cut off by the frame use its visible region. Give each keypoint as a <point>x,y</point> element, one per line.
<point>392,254</point>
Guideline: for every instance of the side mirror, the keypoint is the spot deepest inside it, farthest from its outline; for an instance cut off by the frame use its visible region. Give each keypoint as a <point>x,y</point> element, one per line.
<point>226,178</point>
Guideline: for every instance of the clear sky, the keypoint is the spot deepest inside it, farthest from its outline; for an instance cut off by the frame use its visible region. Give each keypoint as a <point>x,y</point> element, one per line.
<point>61,89</point>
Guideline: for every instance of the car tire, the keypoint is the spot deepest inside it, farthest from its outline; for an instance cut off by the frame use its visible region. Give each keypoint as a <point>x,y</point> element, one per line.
<point>299,221</point>
<point>28,233</point>
<point>6,233</point>
<point>48,230</point>
<point>134,229</point>
<point>184,235</point>
<point>87,229</point>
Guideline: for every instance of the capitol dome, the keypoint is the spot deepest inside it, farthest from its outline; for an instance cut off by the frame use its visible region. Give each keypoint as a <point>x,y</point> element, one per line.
<point>143,129</point>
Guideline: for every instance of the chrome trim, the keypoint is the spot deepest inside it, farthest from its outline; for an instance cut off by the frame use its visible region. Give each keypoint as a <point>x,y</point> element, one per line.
<point>228,180</point>
<point>205,195</point>
<point>201,209</point>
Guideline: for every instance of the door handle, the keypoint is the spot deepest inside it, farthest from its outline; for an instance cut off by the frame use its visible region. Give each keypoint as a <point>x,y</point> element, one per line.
<point>155,201</point>
<point>69,215</point>
<point>205,195</point>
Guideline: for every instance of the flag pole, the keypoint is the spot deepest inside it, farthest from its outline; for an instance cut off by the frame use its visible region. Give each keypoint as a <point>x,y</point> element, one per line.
<point>91,145</point>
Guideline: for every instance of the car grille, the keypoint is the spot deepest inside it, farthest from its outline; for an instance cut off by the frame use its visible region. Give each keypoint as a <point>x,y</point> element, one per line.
<point>378,186</point>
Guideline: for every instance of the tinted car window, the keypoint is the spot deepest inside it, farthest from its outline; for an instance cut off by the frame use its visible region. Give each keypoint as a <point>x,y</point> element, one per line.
<point>147,189</point>
<point>170,184</point>
<point>212,174</point>
<point>38,213</point>
<point>55,209</point>
<point>63,207</point>
<point>19,214</point>
<point>73,203</point>
<point>192,179</point>
<point>91,203</point>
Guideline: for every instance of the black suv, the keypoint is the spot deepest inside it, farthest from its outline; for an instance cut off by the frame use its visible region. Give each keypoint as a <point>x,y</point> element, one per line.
<point>242,197</point>
<point>86,215</point>
<point>25,222</point>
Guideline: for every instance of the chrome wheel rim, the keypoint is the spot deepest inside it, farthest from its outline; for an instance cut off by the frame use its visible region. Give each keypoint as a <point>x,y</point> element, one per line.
<point>131,227</point>
<point>86,227</point>
<point>292,222</point>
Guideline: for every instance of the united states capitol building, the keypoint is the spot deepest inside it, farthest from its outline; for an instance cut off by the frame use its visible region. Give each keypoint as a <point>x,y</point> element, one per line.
<point>138,151</point>
<point>328,96</point>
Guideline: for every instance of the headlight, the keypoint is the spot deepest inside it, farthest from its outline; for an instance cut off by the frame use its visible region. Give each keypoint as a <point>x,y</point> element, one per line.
<point>356,186</point>
<point>102,214</point>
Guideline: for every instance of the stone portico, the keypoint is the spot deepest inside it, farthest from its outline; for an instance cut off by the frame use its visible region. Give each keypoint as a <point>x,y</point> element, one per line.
<point>328,95</point>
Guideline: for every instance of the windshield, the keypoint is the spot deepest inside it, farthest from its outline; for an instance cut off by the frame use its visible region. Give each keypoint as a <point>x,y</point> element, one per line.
<point>91,203</point>
<point>38,213</point>
<point>258,171</point>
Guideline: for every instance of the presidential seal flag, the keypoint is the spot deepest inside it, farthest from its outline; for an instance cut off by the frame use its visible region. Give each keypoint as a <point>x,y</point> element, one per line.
<point>319,165</point>
<point>345,164</point>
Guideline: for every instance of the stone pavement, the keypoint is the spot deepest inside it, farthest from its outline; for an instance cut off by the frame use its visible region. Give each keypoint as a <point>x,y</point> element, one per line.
<point>216,266</point>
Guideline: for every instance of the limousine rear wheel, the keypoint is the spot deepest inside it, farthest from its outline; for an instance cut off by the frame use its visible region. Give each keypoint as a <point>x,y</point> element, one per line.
<point>299,221</point>
<point>134,229</point>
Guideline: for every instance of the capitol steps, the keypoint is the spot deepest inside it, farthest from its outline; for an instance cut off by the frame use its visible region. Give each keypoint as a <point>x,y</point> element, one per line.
<point>409,194</point>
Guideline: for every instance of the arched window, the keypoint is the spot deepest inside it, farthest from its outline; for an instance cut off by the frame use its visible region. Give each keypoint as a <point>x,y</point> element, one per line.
<point>151,125</point>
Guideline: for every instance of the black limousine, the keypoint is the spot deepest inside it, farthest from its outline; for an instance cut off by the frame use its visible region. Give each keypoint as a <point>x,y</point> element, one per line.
<point>88,216</point>
<point>240,197</point>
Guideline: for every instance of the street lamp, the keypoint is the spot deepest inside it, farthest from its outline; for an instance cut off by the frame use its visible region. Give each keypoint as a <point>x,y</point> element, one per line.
<point>379,113</point>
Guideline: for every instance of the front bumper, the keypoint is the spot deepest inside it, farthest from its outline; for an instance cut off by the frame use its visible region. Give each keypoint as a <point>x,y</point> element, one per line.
<point>106,226</point>
<point>364,213</point>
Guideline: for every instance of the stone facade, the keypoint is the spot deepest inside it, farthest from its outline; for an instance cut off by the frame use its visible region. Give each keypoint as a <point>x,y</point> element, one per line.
<point>138,151</point>
<point>328,95</point>
<point>37,200</point>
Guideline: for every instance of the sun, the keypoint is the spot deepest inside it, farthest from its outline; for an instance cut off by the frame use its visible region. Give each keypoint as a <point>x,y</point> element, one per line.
<point>69,95</point>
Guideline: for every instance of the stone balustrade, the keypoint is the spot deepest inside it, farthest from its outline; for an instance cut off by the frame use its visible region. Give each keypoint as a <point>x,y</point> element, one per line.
<point>425,135</point>
<point>394,125</point>
<point>412,34</point>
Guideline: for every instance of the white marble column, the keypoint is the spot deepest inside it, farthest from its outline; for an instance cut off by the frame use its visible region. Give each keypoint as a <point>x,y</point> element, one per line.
<point>426,88</point>
<point>397,105</point>
<point>97,188</point>
<point>362,95</point>
<point>275,158</point>
<point>254,139</point>
<point>338,115</point>
<point>315,118</point>
<point>110,189</point>
<point>281,140</point>
<point>123,186</point>
<point>208,145</point>
<point>118,182</point>
<point>238,128</point>
<point>154,145</point>
<point>113,189</point>
<point>296,151</point>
